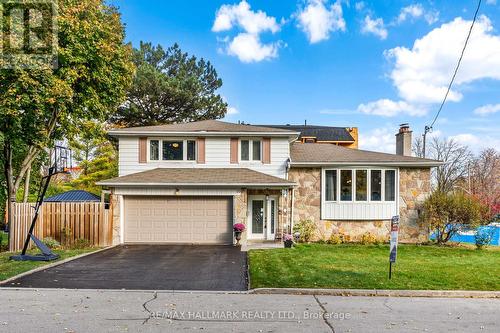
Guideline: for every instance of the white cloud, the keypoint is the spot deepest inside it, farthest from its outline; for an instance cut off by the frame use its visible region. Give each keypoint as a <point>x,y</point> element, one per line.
<point>248,48</point>
<point>231,110</point>
<point>421,74</point>
<point>417,11</point>
<point>360,5</point>
<point>389,108</point>
<point>242,15</point>
<point>374,26</point>
<point>318,19</point>
<point>487,109</point>
<point>246,45</point>
<point>378,139</point>
<point>491,2</point>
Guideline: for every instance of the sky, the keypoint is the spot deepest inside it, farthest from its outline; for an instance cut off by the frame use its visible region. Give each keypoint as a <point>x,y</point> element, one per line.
<point>366,64</point>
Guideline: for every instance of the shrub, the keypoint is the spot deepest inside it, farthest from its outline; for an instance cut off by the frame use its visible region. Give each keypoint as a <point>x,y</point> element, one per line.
<point>81,243</point>
<point>307,230</point>
<point>448,213</point>
<point>369,238</point>
<point>51,243</point>
<point>335,239</point>
<point>483,237</point>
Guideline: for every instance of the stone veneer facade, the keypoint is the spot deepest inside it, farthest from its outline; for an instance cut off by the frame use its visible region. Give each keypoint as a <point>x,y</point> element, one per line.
<point>414,187</point>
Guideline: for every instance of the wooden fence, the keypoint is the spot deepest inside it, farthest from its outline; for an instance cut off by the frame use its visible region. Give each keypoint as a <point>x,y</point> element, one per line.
<point>66,222</point>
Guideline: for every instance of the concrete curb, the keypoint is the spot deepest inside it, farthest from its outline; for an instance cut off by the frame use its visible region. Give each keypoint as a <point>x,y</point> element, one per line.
<point>380,293</point>
<point>54,264</point>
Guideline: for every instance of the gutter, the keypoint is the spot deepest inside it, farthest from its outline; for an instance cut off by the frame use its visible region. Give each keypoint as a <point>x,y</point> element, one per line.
<point>202,133</point>
<point>367,163</point>
<point>113,184</point>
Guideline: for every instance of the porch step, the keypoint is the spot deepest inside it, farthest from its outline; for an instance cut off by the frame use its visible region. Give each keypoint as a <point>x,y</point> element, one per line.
<point>261,245</point>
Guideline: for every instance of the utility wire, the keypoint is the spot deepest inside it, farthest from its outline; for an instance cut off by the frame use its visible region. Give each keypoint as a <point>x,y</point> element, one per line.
<point>458,65</point>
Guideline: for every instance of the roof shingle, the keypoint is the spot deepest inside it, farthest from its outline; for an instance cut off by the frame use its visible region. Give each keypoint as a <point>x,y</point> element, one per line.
<point>321,133</point>
<point>198,176</point>
<point>318,153</point>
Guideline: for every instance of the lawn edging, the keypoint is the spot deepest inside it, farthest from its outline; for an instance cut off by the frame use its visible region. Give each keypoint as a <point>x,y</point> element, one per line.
<point>379,293</point>
<point>54,264</point>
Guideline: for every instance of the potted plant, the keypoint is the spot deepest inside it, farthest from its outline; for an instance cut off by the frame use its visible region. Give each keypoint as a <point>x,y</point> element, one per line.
<point>238,228</point>
<point>288,240</point>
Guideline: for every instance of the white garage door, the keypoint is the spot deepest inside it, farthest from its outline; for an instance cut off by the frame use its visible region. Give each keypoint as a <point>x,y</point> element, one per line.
<point>190,220</point>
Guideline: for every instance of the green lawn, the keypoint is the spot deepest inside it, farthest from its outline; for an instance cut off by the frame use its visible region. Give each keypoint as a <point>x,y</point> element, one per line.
<point>366,267</point>
<point>9,268</point>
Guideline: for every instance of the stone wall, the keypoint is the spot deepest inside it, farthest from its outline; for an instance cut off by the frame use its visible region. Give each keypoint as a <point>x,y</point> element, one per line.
<point>414,188</point>
<point>114,203</point>
<point>240,212</point>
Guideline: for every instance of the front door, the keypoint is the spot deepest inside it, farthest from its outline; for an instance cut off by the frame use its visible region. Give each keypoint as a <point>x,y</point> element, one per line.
<point>262,217</point>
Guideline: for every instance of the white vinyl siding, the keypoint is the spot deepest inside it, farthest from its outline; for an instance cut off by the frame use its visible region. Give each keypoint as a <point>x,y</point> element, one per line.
<point>217,155</point>
<point>354,209</point>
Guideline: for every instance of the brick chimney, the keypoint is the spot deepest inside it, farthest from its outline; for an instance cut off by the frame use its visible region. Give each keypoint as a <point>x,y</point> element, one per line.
<point>403,140</point>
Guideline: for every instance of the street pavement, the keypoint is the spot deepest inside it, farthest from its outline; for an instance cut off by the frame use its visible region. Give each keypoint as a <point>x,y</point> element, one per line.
<point>63,310</point>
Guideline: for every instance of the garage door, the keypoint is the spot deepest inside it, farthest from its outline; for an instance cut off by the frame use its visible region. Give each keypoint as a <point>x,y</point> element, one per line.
<point>190,220</point>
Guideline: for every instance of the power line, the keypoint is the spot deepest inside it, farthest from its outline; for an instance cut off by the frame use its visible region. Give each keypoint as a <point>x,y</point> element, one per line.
<point>429,128</point>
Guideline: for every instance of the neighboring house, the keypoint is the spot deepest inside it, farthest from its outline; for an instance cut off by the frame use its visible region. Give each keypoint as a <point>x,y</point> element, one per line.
<point>74,196</point>
<point>189,183</point>
<point>341,136</point>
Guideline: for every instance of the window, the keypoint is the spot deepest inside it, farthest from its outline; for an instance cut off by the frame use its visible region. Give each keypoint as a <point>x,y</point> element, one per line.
<point>191,150</point>
<point>256,150</point>
<point>376,185</point>
<point>245,150</point>
<point>390,185</point>
<point>361,185</point>
<point>331,185</point>
<point>250,149</point>
<point>173,150</point>
<point>154,150</point>
<point>346,185</point>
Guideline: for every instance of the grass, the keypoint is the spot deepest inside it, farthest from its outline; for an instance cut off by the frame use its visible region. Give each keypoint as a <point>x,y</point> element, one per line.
<point>4,239</point>
<point>9,268</point>
<point>366,267</point>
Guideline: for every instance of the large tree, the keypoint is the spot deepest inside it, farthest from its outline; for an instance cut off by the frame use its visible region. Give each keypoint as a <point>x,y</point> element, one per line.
<point>170,87</point>
<point>39,106</point>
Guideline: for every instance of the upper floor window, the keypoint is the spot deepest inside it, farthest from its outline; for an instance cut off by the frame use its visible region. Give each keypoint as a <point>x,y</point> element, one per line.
<point>172,150</point>
<point>360,185</point>
<point>250,150</point>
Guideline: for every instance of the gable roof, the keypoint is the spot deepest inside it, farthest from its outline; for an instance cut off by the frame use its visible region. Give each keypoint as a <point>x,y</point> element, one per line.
<point>204,127</point>
<point>308,154</point>
<point>74,196</point>
<point>234,177</point>
<point>321,133</point>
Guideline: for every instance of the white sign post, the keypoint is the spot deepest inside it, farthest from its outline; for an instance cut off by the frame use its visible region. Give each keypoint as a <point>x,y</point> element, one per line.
<point>394,242</point>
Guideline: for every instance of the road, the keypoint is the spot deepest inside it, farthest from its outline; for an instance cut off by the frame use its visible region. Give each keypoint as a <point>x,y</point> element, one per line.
<point>51,310</point>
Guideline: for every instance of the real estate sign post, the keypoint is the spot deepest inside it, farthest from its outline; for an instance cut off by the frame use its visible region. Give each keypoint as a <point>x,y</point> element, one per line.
<point>394,242</point>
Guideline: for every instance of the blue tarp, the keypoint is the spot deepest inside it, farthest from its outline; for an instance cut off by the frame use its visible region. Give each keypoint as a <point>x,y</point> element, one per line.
<point>467,235</point>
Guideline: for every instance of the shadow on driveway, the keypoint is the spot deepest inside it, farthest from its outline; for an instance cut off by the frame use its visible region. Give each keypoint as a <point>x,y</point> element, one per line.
<point>150,267</point>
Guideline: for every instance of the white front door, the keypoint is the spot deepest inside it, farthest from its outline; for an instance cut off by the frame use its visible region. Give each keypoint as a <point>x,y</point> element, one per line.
<point>262,217</point>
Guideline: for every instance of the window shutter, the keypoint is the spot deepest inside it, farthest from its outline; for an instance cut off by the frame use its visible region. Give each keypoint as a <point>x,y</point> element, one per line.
<point>200,143</point>
<point>143,149</point>
<point>266,151</point>
<point>234,151</point>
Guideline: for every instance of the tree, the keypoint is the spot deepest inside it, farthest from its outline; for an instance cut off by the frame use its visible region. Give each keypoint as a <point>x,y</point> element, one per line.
<point>38,106</point>
<point>483,179</point>
<point>170,87</point>
<point>456,158</point>
<point>448,213</point>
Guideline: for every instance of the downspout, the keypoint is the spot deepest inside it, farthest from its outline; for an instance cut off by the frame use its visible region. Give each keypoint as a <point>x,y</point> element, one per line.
<point>292,199</point>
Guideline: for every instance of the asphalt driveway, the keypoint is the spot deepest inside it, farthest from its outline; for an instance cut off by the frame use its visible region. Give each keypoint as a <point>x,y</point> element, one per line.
<point>149,267</point>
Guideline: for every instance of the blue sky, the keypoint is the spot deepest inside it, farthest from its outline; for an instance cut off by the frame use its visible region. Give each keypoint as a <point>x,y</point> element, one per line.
<point>370,64</point>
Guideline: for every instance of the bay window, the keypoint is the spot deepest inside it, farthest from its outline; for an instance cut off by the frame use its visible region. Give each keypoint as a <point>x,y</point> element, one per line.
<point>359,185</point>
<point>154,150</point>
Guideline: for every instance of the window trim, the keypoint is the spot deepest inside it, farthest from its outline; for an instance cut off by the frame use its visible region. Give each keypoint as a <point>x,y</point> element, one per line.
<point>353,185</point>
<point>250,150</point>
<point>160,150</point>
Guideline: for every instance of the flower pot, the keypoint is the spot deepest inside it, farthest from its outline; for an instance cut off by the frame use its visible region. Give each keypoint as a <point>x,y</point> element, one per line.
<point>288,243</point>
<point>237,235</point>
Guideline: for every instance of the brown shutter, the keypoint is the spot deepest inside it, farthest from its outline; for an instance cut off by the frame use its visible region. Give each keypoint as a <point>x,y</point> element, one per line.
<point>266,150</point>
<point>234,151</point>
<point>200,143</point>
<point>143,149</point>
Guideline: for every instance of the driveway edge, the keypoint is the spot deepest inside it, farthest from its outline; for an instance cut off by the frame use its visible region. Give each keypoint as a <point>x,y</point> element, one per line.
<point>380,293</point>
<point>54,264</point>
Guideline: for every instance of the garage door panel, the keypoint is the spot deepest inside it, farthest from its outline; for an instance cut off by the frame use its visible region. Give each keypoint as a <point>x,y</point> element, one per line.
<point>178,219</point>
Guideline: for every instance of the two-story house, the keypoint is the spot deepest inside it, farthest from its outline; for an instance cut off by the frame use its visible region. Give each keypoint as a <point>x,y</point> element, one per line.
<point>189,183</point>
